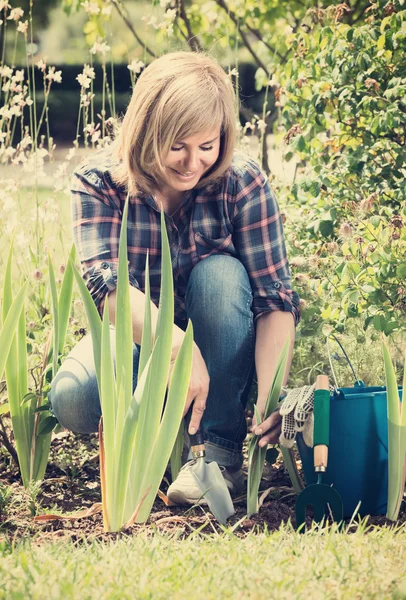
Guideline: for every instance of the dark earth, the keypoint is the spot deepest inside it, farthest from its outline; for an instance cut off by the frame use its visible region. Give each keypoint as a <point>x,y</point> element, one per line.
<point>72,484</point>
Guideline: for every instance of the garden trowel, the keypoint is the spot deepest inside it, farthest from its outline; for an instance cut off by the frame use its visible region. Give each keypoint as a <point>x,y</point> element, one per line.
<point>210,481</point>
<point>323,498</point>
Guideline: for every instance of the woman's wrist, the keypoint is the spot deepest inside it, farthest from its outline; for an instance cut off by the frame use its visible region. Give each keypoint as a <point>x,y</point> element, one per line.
<point>177,339</point>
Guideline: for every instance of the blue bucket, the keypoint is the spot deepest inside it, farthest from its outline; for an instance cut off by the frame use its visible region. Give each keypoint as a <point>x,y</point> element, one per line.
<point>358,451</point>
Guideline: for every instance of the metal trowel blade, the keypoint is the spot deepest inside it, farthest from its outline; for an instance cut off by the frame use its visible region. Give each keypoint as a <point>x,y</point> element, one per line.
<point>214,489</point>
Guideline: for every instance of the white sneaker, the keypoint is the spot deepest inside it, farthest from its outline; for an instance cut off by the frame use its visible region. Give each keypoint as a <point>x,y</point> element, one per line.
<point>184,490</point>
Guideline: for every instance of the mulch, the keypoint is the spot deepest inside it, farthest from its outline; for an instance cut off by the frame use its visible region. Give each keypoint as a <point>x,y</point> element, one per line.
<point>74,485</point>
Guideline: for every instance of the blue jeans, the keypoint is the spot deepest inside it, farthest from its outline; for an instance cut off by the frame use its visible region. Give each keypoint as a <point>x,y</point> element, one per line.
<point>218,302</point>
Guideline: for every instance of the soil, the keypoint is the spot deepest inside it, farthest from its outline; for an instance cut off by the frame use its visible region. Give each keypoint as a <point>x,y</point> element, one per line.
<point>72,484</point>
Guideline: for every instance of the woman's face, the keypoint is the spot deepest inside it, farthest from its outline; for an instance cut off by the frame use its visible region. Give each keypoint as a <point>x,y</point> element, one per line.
<point>188,160</point>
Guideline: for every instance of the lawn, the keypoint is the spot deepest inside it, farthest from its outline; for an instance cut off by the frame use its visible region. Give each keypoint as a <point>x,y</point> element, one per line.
<point>281,565</point>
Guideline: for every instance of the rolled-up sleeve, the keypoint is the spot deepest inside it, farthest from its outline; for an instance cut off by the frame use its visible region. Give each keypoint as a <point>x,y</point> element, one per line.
<point>260,243</point>
<point>96,218</point>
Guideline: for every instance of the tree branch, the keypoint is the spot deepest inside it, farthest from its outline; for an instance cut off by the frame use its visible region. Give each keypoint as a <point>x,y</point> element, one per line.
<point>191,38</point>
<point>127,21</point>
<point>259,37</point>
<point>244,38</point>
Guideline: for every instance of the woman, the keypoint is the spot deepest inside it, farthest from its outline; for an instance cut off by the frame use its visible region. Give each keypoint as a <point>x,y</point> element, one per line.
<point>176,149</point>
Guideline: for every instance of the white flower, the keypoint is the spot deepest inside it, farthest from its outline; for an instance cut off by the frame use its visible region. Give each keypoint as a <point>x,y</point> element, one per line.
<point>4,5</point>
<point>233,72</point>
<point>22,27</point>
<point>135,66</point>
<point>15,111</point>
<point>10,151</point>
<point>16,14</point>
<point>261,125</point>
<point>91,7</point>
<point>272,82</point>
<point>28,101</point>
<point>171,14</point>
<point>85,99</point>
<point>101,47</point>
<point>2,136</point>
<point>25,142</point>
<point>18,76</point>
<point>54,75</point>
<point>83,80</point>
<point>150,21</point>
<point>16,99</point>
<point>70,154</point>
<point>6,86</point>
<point>6,72</point>
<point>42,65</point>
<point>89,71</point>
<point>106,11</point>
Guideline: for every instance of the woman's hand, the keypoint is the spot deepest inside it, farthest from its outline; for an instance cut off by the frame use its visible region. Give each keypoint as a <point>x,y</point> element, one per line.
<point>270,429</point>
<point>198,389</point>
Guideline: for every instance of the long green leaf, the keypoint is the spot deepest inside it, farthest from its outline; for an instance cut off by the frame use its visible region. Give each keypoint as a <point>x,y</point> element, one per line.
<point>169,426</point>
<point>65,299</point>
<point>93,318</point>
<point>396,439</point>
<point>124,338</point>
<point>151,408</point>
<point>146,341</point>
<point>256,454</point>
<point>9,360</point>
<point>55,317</point>
<point>176,456</point>
<point>108,400</point>
<point>126,459</point>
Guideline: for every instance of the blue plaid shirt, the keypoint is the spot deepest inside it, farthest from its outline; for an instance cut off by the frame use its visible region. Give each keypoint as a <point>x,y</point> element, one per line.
<point>239,218</point>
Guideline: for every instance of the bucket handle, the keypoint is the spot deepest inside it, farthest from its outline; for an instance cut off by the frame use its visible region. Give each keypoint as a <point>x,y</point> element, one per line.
<point>357,381</point>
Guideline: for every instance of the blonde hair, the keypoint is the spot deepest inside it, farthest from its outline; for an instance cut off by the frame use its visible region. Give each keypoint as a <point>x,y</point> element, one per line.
<point>178,95</point>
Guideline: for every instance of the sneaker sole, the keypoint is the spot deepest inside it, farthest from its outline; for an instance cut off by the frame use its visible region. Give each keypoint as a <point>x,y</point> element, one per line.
<point>177,497</point>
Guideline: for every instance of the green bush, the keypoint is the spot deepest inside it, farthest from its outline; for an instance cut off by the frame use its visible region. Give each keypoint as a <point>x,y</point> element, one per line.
<point>344,110</point>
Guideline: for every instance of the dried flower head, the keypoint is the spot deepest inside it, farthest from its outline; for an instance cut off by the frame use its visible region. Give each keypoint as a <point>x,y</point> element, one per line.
<point>345,231</point>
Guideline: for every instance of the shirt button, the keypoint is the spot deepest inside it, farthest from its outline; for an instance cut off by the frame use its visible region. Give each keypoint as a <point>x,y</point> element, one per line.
<point>277,285</point>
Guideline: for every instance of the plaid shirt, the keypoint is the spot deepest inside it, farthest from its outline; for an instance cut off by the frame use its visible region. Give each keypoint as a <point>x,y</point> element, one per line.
<point>239,218</point>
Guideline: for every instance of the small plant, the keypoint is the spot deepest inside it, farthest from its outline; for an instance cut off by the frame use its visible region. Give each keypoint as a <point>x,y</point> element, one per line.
<point>32,424</point>
<point>256,454</point>
<point>396,437</point>
<point>137,431</point>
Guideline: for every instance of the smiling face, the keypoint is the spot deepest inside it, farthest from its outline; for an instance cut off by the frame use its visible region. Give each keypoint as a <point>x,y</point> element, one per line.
<point>188,160</point>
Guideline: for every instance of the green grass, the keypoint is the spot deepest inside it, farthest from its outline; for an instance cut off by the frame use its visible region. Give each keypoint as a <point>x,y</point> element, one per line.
<point>279,565</point>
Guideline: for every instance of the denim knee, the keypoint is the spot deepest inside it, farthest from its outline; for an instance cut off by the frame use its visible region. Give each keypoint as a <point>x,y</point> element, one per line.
<point>222,282</point>
<point>75,403</point>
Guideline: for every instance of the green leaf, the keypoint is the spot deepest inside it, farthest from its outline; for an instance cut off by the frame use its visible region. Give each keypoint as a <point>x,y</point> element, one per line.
<point>396,439</point>
<point>93,318</point>
<point>47,425</point>
<point>55,317</point>
<point>65,300</point>
<point>256,454</point>
<point>28,397</point>
<point>5,408</point>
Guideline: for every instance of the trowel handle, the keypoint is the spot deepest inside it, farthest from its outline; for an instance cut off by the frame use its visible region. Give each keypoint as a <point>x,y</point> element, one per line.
<point>321,423</point>
<point>197,444</point>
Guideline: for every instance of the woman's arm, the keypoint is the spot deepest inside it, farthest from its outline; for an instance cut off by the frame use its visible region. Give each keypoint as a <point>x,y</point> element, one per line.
<point>272,330</point>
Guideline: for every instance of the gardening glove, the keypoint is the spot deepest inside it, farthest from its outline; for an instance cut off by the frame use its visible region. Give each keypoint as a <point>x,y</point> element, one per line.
<point>297,415</point>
